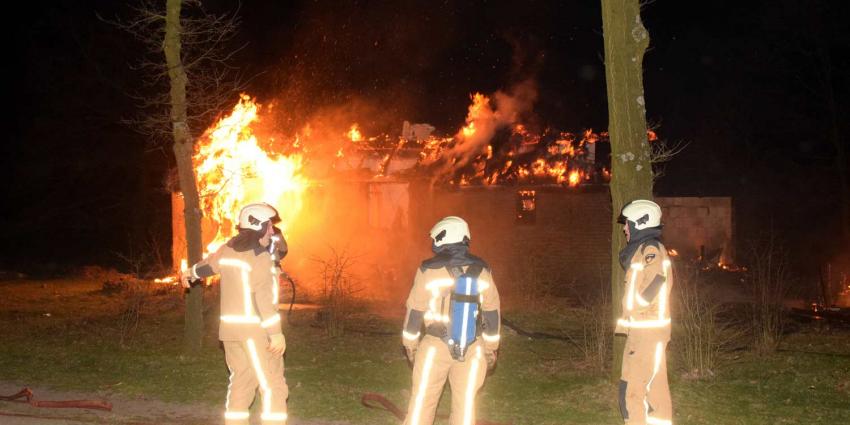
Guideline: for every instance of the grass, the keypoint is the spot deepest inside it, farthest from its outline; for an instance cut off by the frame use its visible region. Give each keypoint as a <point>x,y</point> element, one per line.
<point>542,382</point>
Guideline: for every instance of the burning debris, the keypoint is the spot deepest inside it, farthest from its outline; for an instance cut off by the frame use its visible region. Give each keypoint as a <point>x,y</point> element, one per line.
<point>240,161</point>
<point>495,147</point>
<point>347,178</point>
<point>517,156</point>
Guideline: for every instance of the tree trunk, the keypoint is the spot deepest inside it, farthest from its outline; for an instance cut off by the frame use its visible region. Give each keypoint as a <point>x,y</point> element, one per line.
<point>183,150</point>
<point>626,40</point>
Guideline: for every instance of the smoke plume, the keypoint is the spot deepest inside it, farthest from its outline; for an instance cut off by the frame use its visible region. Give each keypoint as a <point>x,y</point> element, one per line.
<point>485,117</point>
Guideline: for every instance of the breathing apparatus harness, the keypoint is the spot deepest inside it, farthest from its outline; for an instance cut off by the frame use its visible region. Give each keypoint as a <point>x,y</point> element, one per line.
<point>465,304</point>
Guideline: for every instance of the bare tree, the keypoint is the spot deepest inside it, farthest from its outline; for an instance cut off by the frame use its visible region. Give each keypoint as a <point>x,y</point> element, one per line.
<point>205,56</point>
<point>186,51</point>
<point>662,151</point>
<point>626,40</point>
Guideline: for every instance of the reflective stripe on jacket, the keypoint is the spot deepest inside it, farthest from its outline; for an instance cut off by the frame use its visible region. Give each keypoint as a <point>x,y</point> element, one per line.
<point>249,293</point>
<point>646,295</point>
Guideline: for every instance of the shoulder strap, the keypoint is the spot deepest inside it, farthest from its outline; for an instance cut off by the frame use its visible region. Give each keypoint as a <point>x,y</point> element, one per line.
<point>473,271</point>
<point>455,271</point>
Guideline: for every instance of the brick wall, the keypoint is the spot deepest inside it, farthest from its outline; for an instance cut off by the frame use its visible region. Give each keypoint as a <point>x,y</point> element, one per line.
<point>695,225</point>
<point>567,245</point>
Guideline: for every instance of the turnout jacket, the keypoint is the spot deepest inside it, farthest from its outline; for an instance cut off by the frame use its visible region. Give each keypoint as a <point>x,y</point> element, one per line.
<point>249,292</point>
<point>429,303</point>
<point>646,295</point>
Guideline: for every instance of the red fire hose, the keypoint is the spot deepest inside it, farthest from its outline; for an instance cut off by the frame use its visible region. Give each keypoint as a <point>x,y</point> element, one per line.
<point>368,400</point>
<point>26,396</point>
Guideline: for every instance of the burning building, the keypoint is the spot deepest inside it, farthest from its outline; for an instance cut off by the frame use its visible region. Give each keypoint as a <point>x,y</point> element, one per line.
<point>537,202</point>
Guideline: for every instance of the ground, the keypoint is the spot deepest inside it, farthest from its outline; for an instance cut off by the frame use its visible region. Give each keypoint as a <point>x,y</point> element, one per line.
<point>125,410</point>
<point>95,338</point>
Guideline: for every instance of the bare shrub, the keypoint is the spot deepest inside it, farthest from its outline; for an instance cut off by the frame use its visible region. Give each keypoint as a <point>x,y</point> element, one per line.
<point>700,335</point>
<point>596,333</point>
<point>143,257</point>
<point>338,291</point>
<point>594,315</point>
<point>770,280</point>
<point>136,294</point>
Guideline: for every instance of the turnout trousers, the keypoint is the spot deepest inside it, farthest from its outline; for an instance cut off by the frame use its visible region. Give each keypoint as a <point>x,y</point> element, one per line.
<point>433,364</point>
<point>252,367</point>
<point>644,393</point>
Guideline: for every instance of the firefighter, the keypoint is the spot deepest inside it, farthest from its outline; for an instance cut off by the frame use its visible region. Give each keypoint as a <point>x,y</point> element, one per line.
<point>644,394</point>
<point>249,326</point>
<point>451,329</point>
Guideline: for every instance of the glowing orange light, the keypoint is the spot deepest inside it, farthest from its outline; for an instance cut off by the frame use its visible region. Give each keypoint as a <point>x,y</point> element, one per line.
<point>354,134</point>
<point>479,105</point>
<point>231,165</point>
<point>574,178</point>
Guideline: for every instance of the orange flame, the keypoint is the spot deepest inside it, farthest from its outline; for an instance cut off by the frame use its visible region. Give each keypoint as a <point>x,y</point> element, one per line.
<point>354,134</point>
<point>574,178</point>
<point>480,103</point>
<point>233,170</point>
<point>469,129</point>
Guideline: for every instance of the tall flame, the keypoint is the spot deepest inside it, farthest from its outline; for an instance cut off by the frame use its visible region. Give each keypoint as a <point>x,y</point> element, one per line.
<point>233,170</point>
<point>480,105</point>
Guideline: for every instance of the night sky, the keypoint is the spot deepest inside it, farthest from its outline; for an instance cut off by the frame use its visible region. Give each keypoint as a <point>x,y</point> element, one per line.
<point>740,82</point>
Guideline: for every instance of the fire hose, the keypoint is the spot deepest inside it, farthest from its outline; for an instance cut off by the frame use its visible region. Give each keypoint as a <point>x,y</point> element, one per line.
<point>286,276</point>
<point>537,335</point>
<point>377,401</point>
<point>369,400</point>
<point>26,396</point>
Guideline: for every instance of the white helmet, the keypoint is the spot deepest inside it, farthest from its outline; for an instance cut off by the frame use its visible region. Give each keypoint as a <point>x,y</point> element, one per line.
<point>449,230</point>
<point>253,216</point>
<point>644,214</point>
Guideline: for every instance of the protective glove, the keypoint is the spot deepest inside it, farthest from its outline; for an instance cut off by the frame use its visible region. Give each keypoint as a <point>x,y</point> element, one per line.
<point>491,357</point>
<point>410,352</point>
<point>186,278</point>
<point>277,345</point>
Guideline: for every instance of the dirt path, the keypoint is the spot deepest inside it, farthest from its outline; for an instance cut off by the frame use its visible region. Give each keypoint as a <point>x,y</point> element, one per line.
<point>124,411</point>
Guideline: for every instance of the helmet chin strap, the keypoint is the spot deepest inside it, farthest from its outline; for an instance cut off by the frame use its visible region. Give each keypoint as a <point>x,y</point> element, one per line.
<point>250,238</point>
<point>636,238</point>
<point>267,232</point>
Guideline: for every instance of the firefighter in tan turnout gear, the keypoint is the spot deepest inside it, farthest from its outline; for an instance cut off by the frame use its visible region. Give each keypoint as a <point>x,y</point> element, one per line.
<point>452,326</point>
<point>249,327</point>
<point>644,392</point>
